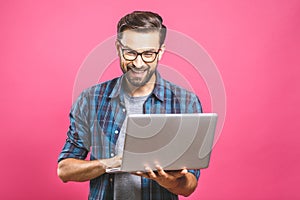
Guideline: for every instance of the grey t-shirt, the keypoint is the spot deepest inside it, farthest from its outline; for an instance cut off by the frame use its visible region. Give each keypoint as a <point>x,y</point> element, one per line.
<point>126,185</point>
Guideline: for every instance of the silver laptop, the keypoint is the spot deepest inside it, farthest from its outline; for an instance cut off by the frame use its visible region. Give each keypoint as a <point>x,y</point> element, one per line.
<point>173,141</point>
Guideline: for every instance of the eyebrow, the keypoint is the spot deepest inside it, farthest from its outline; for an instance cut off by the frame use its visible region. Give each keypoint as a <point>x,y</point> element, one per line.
<point>143,50</point>
<point>128,48</point>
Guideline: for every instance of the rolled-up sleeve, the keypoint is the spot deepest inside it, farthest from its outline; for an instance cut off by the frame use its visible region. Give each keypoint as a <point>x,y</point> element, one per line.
<point>195,107</point>
<point>78,136</point>
<point>196,173</point>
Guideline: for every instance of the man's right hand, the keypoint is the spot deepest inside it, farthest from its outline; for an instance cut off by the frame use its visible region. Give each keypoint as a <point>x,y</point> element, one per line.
<point>111,162</point>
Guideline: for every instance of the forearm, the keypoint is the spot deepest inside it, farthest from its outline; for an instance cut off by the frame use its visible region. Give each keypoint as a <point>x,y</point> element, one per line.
<point>71,169</point>
<point>185,185</point>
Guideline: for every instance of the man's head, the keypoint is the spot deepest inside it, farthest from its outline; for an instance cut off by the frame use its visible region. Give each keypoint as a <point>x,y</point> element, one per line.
<point>144,22</point>
<point>140,46</point>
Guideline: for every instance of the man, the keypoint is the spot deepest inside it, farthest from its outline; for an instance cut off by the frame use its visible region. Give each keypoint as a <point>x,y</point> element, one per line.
<point>97,118</point>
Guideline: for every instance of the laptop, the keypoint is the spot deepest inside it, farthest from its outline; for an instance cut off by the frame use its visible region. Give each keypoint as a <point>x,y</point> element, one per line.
<point>173,141</point>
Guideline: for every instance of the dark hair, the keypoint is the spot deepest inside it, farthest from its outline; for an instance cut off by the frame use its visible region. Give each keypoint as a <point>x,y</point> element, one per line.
<point>142,21</point>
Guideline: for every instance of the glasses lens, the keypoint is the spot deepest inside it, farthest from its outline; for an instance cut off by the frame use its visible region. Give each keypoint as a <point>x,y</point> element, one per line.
<point>129,54</point>
<point>148,56</point>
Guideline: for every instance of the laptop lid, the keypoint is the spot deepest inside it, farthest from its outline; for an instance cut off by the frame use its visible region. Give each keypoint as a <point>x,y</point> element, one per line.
<point>173,141</point>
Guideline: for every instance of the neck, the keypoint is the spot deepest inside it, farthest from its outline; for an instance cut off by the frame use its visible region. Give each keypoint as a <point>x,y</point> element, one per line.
<point>142,90</point>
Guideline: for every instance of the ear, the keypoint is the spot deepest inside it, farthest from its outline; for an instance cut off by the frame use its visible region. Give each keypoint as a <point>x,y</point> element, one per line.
<point>161,52</point>
<point>117,47</point>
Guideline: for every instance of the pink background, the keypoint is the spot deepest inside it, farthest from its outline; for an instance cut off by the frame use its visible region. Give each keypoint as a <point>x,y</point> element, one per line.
<point>255,45</point>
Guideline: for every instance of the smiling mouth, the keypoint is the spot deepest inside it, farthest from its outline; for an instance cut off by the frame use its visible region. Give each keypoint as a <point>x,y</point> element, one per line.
<point>139,71</point>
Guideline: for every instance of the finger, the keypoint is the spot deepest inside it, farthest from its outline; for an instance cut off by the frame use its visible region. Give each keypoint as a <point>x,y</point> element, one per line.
<point>150,173</point>
<point>118,164</point>
<point>161,171</point>
<point>118,157</point>
<point>181,173</point>
<point>138,173</point>
<point>184,171</point>
<point>141,174</point>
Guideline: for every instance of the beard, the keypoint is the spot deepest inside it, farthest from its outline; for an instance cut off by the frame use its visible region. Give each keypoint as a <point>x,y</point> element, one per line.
<point>138,77</point>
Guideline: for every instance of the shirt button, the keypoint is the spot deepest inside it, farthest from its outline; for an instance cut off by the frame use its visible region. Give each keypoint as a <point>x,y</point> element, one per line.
<point>112,154</point>
<point>123,109</point>
<point>116,131</point>
<point>111,180</point>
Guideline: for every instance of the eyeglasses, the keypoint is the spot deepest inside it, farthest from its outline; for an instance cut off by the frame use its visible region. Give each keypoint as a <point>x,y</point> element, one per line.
<point>131,55</point>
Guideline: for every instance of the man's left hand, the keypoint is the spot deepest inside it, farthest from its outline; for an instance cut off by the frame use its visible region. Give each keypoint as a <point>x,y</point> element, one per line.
<point>168,180</point>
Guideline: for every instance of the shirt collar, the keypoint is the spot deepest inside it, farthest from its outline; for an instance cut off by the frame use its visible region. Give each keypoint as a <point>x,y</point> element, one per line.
<point>158,90</point>
<point>117,88</point>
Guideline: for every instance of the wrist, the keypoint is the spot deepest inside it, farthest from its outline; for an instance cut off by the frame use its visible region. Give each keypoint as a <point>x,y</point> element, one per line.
<point>178,182</point>
<point>102,165</point>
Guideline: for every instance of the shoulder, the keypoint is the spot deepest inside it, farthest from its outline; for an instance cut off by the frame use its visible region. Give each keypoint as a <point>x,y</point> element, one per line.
<point>102,89</point>
<point>177,90</point>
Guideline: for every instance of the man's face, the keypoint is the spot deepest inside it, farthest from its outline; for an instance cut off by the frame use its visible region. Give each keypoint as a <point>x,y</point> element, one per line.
<point>139,71</point>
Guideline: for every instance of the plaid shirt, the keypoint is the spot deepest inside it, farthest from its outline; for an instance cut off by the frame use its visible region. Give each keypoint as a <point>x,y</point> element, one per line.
<point>95,122</point>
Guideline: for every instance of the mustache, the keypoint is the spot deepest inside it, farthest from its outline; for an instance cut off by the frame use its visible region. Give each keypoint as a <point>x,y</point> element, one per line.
<point>134,68</point>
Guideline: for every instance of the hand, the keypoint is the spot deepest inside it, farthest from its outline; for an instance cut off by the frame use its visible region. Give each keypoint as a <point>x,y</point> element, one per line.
<point>111,162</point>
<point>168,180</point>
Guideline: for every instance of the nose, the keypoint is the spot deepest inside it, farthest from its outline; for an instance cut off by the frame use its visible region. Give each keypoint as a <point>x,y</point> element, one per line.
<point>138,62</point>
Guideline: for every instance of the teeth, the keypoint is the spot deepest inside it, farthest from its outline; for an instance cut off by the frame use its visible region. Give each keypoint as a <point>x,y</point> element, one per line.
<point>139,72</point>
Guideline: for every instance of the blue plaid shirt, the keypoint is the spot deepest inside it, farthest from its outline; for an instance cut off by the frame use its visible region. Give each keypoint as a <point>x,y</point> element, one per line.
<point>97,117</point>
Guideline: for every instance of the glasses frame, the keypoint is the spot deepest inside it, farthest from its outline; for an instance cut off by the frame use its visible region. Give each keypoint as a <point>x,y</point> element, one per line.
<point>123,48</point>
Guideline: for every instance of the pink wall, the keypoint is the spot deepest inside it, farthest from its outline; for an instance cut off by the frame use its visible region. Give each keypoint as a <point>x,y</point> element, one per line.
<point>254,44</point>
